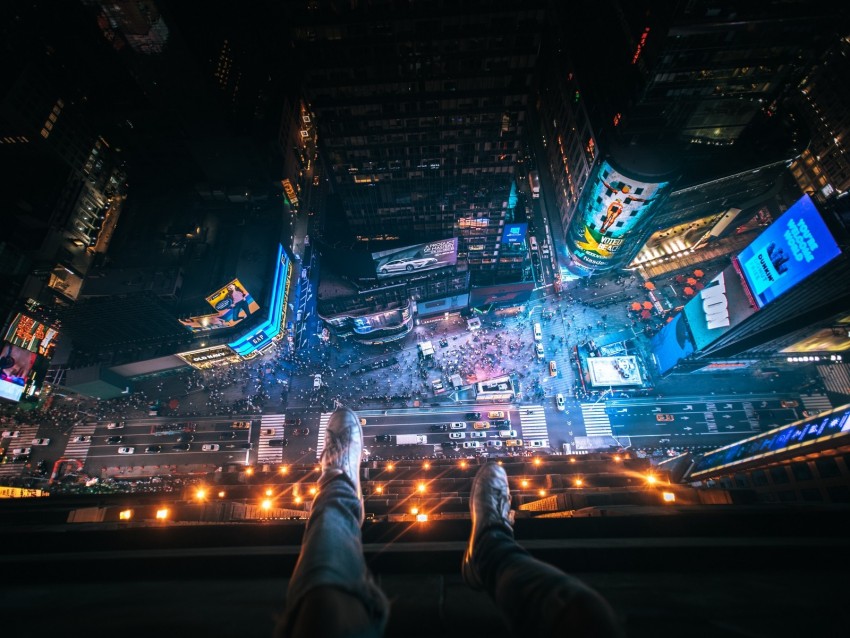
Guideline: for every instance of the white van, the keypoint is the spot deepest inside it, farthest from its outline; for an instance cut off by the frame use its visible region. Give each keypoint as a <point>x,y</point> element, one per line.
<point>538,443</point>
<point>532,243</point>
<point>538,332</point>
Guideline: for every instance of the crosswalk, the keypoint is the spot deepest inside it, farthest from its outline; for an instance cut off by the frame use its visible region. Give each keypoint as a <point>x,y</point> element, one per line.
<point>271,427</point>
<point>533,422</point>
<point>24,439</point>
<point>596,422</point>
<point>818,402</point>
<point>80,442</point>
<point>323,425</point>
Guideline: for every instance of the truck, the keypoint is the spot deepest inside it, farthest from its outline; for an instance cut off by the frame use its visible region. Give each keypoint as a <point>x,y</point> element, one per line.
<point>411,439</point>
<point>534,183</point>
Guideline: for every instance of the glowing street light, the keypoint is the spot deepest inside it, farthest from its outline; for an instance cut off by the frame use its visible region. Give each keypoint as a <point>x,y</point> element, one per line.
<point>125,515</point>
<point>162,514</point>
<point>579,482</point>
<point>200,494</point>
<point>651,479</point>
<point>269,492</point>
<point>266,504</point>
<point>421,488</point>
<point>668,497</point>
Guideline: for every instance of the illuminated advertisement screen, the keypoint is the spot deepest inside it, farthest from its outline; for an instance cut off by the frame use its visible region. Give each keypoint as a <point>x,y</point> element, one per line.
<point>418,258</point>
<point>15,366</point>
<point>382,320</point>
<point>611,205</point>
<point>514,233</point>
<point>672,344</point>
<point>32,335</point>
<point>614,371</point>
<point>726,366</point>
<point>508,294</point>
<point>232,303</point>
<point>718,307</point>
<point>799,433</point>
<point>207,356</point>
<point>823,340</point>
<point>789,250</point>
<point>269,329</point>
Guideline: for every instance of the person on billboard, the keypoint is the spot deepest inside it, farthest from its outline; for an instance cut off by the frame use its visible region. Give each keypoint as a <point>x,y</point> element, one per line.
<point>238,302</point>
<point>11,370</point>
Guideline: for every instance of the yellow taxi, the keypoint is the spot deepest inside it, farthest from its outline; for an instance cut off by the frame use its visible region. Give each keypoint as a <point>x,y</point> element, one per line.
<point>496,414</point>
<point>481,425</point>
<point>513,443</point>
<point>240,425</point>
<point>553,369</point>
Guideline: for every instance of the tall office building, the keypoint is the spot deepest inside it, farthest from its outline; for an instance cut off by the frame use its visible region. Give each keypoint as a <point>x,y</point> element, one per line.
<point>421,110</point>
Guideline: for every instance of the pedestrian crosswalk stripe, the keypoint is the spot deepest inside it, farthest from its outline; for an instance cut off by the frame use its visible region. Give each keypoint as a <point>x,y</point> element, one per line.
<point>267,453</point>
<point>596,422</point>
<point>80,449</point>
<point>323,425</point>
<point>24,439</point>
<point>533,422</point>
<point>816,402</point>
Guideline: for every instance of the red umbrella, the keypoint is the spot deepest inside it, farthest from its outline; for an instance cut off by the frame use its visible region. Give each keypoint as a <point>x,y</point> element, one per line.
<point>668,320</point>
<point>645,314</point>
<point>636,306</point>
<point>647,305</point>
<point>698,273</point>
<point>649,285</point>
<point>689,291</point>
<point>173,404</point>
<point>699,285</point>
<point>691,281</point>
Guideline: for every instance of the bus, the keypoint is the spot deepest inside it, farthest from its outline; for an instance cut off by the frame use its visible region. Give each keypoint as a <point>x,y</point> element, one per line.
<point>534,182</point>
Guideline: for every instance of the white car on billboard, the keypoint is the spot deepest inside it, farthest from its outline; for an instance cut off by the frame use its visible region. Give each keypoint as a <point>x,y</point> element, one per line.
<point>406,265</point>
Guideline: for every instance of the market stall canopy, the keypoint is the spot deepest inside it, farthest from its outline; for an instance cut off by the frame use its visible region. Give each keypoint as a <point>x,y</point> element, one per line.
<point>636,305</point>
<point>698,273</point>
<point>688,291</point>
<point>649,285</point>
<point>647,305</point>
<point>691,281</point>
<point>645,314</point>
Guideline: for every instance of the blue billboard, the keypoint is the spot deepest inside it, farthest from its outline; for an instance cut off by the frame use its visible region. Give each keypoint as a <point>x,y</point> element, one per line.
<point>672,344</point>
<point>514,233</point>
<point>789,250</point>
<point>269,329</point>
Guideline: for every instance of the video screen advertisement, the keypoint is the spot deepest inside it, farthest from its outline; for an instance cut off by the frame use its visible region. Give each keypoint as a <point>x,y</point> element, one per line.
<point>789,250</point>
<point>32,335</point>
<point>611,206</point>
<point>672,344</point>
<point>418,258</point>
<point>514,234</point>
<point>270,329</point>
<point>232,303</point>
<point>718,307</point>
<point>16,363</point>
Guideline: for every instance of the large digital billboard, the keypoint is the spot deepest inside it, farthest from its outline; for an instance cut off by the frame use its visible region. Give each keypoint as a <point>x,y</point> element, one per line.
<point>270,329</point>
<point>15,366</point>
<point>232,303</point>
<point>33,335</point>
<point>672,344</point>
<point>610,207</point>
<point>789,250</point>
<point>412,259</point>
<point>718,307</point>
<point>514,233</point>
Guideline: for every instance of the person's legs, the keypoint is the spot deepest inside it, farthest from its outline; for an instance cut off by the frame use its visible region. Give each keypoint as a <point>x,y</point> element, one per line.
<point>537,598</point>
<point>331,592</point>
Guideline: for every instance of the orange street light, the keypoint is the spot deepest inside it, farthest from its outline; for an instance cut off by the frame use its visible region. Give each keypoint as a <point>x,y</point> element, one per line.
<point>200,494</point>
<point>284,469</point>
<point>427,465</point>
<point>125,515</point>
<point>379,489</point>
<point>524,483</point>
<point>269,492</point>
<point>651,479</point>
<point>249,470</point>
<point>313,491</point>
<point>579,482</point>
<point>266,504</point>
<point>162,514</point>
<point>420,488</point>
<point>221,494</point>
<point>668,497</point>
<point>537,461</point>
<point>390,467</point>
<point>414,510</point>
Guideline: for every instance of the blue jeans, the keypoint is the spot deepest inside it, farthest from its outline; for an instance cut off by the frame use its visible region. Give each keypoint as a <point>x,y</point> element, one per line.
<point>331,592</point>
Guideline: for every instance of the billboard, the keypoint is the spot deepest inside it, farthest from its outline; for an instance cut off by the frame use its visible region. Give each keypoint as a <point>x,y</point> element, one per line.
<point>614,371</point>
<point>15,366</point>
<point>232,303</point>
<point>418,258</point>
<point>610,207</point>
<point>270,328</point>
<point>789,250</point>
<point>28,333</point>
<point>718,307</point>
<point>514,294</point>
<point>672,344</point>
<point>514,234</point>
<point>206,357</point>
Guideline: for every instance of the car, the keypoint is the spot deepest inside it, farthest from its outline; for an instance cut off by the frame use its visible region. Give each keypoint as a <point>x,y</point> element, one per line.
<point>81,438</point>
<point>267,432</point>
<point>246,446</point>
<point>538,349</point>
<point>41,441</point>
<point>153,449</point>
<point>538,443</point>
<point>448,444</point>
<point>495,414</point>
<point>317,381</point>
<point>664,417</point>
<point>501,424</point>
<point>560,402</point>
<point>553,369</point>
<point>507,434</point>
<point>513,443</point>
<point>11,434</point>
<point>126,450</point>
<point>240,425</point>
<point>300,431</point>
<point>406,265</point>
<point>438,386</point>
<point>278,442</point>
<point>811,413</point>
<point>210,447</point>
<point>383,438</point>
<point>21,458</point>
<point>472,444</point>
<point>457,435</point>
<point>181,447</point>
<point>473,416</point>
<point>293,422</point>
<point>481,425</point>
<point>459,425</point>
<point>477,435</point>
<point>227,436</point>
<point>115,425</point>
<point>789,403</point>
<point>186,438</point>
<point>494,443</point>
<point>440,427</point>
<point>114,440</point>
<point>18,451</point>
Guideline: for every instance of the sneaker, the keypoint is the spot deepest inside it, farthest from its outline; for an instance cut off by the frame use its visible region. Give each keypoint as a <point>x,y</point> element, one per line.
<point>490,506</point>
<point>343,447</point>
